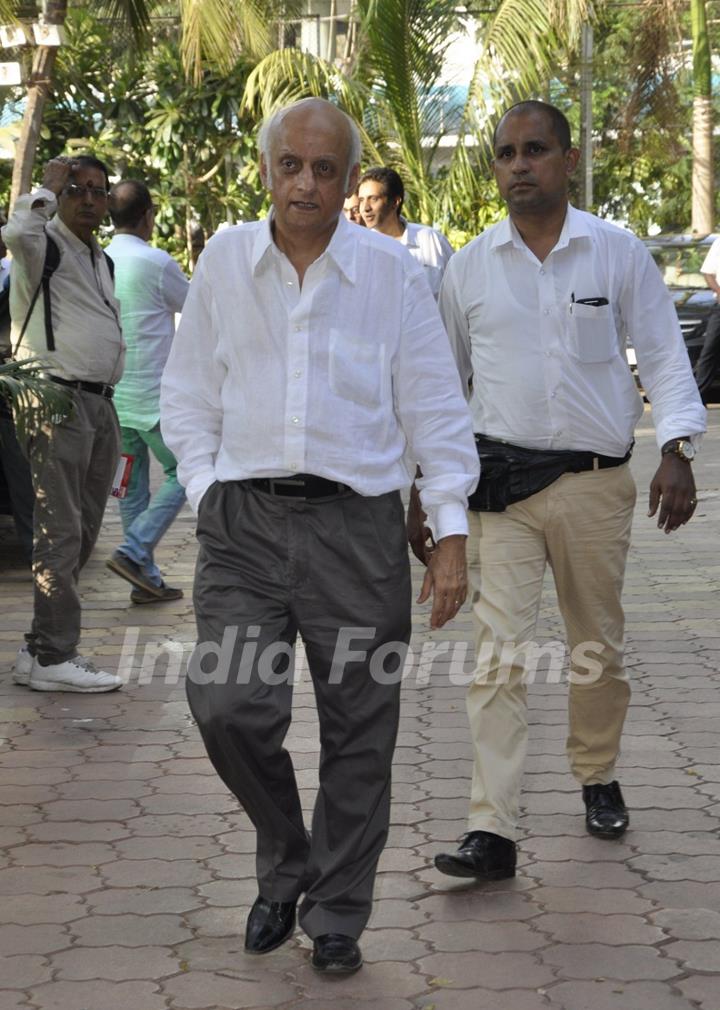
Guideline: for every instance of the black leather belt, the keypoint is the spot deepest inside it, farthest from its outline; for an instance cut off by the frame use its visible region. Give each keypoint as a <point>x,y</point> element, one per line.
<point>587,461</point>
<point>101,388</point>
<point>301,485</point>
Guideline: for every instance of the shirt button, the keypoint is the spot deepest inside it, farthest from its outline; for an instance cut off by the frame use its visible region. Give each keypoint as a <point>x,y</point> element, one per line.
<point>546,312</point>
<point>297,373</point>
<point>295,420</point>
<point>294,466</point>
<point>289,283</point>
<point>542,270</point>
<point>548,354</point>
<point>558,432</point>
<point>553,395</point>
<point>297,328</point>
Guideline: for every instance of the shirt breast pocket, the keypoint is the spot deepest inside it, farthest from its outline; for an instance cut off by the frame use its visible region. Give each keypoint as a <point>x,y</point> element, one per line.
<point>593,337</point>
<point>356,368</point>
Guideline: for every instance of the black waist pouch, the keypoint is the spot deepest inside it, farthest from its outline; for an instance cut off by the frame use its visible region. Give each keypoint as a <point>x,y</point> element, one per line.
<point>510,473</point>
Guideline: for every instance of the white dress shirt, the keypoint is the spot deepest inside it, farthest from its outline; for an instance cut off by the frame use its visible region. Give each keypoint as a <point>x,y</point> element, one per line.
<point>350,377</point>
<point>550,373</point>
<point>430,248</point>
<point>85,312</point>
<point>151,288</point>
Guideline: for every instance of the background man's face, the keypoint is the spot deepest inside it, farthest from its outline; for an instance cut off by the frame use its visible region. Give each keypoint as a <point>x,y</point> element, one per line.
<point>308,161</point>
<point>531,168</point>
<point>351,209</point>
<point>376,207</point>
<point>83,213</point>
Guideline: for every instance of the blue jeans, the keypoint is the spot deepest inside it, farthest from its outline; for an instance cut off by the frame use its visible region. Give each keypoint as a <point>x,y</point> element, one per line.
<point>145,520</point>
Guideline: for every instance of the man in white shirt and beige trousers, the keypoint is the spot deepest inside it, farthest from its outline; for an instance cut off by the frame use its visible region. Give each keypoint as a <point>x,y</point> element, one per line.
<point>538,308</point>
<point>297,407</point>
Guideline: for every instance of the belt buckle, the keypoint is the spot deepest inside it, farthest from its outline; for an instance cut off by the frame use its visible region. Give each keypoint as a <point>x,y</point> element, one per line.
<point>275,482</point>
<point>596,463</point>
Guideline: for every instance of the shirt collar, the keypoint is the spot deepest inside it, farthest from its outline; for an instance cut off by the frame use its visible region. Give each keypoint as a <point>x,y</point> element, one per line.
<point>341,249</point>
<point>75,243</point>
<point>575,225</point>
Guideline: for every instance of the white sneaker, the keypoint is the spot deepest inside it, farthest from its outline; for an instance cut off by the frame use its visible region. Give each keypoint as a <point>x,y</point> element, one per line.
<point>76,674</point>
<point>23,666</point>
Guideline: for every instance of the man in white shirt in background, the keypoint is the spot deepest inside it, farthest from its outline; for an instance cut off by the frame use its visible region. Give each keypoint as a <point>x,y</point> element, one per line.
<point>293,402</point>
<point>151,288</point>
<point>538,308</point>
<point>73,460</point>
<point>381,193</point>
<point>708,363</point>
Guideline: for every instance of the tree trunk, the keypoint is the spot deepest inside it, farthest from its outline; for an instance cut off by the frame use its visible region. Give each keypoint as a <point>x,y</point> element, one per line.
<point>37,93</point>
<point>702,171</point>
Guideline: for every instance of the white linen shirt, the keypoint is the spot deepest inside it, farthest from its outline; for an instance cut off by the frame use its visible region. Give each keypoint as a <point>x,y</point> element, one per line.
<point>550,373</point>
<point>350,377</point>
<point>151,288</point>
<point>85,312</point>
<point>430,248</point>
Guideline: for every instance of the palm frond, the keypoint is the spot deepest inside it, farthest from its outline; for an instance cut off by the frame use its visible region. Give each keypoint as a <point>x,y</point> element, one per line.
<point>35,399</point>
<point>216,32</point>
<point>286,75</point>
<point>133,13</point>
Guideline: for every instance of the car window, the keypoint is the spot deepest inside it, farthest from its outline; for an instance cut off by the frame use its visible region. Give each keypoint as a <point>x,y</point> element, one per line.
<point>680,266</point>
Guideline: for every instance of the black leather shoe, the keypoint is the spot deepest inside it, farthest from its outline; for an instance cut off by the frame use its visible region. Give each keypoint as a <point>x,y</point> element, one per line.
<point>481,855</point>
<point>269,924</point>
<point>606,815</point>
<point>336,953</point>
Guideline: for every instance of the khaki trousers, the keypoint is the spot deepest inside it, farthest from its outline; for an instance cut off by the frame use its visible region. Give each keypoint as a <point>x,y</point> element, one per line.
<point>581,526</point>
<point>72,465</point>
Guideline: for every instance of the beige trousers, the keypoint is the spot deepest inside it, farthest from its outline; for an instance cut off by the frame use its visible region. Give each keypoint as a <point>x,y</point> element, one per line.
<point>581,526</point>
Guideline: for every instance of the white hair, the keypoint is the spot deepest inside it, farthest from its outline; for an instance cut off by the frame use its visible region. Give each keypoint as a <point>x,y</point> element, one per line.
<point>270,124</point>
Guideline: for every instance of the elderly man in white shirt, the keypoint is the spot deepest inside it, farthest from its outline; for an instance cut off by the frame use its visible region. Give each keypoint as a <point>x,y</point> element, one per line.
<point>151,289</point>
<point>381,194</point>
<point>538,308</point>
<point>294,404</point>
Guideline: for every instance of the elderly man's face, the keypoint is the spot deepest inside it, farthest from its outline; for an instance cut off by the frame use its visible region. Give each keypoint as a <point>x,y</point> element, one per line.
<point>308,163</point>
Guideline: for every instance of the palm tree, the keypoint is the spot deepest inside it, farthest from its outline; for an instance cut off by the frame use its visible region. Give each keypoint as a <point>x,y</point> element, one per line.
<point>214,32</point>
<point>703,175</point>
<point>391,86</point>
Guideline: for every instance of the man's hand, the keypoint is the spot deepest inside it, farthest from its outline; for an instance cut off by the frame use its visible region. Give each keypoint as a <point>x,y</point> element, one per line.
<point>57,174</point>
<point>673,488</point>
<point>418,533</point>
<point>446,579</point>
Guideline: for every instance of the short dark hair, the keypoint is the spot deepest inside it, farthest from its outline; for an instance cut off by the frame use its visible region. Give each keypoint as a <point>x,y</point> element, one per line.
<point>90,161</point>
<point>558,121</point>
<point>129,200</point>
<point>387,177</point>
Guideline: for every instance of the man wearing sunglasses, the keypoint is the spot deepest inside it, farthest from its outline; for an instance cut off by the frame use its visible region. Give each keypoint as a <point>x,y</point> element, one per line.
<point>72,323</point>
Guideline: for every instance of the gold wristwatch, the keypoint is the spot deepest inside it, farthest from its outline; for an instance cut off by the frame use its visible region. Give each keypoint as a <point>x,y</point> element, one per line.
<point>681,447</point>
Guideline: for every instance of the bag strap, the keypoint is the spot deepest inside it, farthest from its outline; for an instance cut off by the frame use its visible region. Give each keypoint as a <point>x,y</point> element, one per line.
<point>52,262</point>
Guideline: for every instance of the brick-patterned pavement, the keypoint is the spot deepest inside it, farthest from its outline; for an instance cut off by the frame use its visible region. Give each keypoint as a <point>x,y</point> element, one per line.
<point>126,869</point>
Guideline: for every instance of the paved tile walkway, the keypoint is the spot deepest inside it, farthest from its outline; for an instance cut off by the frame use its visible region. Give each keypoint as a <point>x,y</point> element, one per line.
<point>126,869</point>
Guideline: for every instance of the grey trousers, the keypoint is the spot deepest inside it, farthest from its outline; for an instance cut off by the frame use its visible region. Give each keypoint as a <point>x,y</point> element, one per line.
<point>270,568</point>
<point>72,464</point>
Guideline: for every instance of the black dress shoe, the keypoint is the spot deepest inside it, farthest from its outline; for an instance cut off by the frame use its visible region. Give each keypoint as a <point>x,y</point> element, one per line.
<point>269,924</point>
<point>336,953</point>
<point>606,815</point>
<point>481,855</point>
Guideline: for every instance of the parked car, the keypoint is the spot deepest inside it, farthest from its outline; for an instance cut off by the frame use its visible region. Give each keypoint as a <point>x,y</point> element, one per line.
<point>679,258</point>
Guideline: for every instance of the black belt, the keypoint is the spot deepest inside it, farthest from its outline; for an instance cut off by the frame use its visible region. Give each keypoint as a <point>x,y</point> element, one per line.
<point>588,461</point>
<point>301,485</point>
<point>101,388</point>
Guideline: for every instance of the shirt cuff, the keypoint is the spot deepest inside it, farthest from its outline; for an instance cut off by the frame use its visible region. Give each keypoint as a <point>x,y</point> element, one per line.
<point>196,489</point>
<point>447,520</point>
